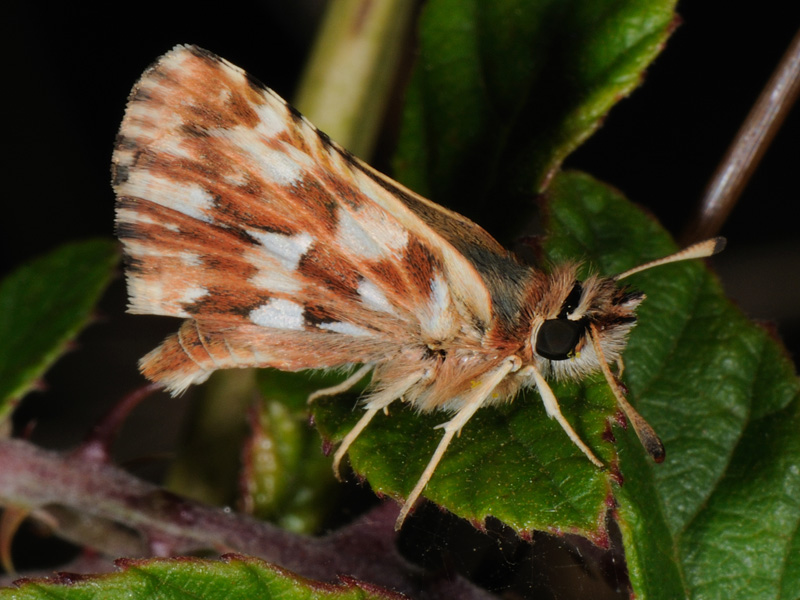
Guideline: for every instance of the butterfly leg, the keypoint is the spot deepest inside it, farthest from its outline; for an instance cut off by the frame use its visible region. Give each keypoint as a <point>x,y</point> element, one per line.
<point>343,386</point>
<point>376,403</point>
<point>471,403</point>
<point>646,434</point>
<point>554,412</point>
<point>351,437</point>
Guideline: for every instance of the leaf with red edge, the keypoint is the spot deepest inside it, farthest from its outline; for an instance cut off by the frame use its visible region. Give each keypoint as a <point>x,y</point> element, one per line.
<point>232,578</point>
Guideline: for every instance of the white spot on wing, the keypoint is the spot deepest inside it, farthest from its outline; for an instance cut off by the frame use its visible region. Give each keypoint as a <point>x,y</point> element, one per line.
<point>149,296</point>
<point>274,280</point>
<point>373,297</point>
<point>225,95</point>
<point>271,117</point>
<point>132,215</point>
<point>178,148</point>
<point>438,321</point>
<point>143,121</point>
<point>237,178</point>
<point>282,167</point>
<point>192,294</point>
<point>368,233</point>
<point>353,237</point>
<point>189,199</point>
<point>345,328</point>
<point>287,249</point>
<point>279,313</point>
<point>190,259</point>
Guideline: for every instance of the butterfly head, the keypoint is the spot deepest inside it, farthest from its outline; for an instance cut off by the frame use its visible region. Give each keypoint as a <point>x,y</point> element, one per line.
<point>581,326</point>
<point>570,311</point>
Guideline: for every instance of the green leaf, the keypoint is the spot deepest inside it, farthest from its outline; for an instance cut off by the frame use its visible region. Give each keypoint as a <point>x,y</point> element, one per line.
<point>719,518</point>
<point>504,90</point>
<point>512,463</point>
<point>235,577</point>
<point>43,305</point>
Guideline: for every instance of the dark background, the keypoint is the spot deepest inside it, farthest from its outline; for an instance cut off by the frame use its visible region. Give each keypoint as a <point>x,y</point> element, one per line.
<point>70,68</point>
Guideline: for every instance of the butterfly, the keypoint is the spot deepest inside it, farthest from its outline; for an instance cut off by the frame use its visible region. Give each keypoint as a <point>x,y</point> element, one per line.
<point>280,249</point>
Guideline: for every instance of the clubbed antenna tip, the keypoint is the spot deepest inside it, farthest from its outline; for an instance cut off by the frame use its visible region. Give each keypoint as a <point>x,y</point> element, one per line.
<point>703,249</point>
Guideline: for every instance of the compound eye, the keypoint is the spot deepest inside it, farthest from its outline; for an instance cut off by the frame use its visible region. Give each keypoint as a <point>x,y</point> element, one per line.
<point>557,338</point>
<point>572,300</point>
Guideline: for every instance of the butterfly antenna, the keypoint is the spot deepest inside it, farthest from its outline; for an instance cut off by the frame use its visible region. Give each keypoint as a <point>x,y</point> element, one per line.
<point>702,249</point>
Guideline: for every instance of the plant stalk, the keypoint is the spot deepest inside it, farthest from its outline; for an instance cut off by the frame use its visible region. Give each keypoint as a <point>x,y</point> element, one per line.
<point>748,147</point>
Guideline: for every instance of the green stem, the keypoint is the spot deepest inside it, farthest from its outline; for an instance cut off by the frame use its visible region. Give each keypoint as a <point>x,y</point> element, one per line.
<point>349,77</point>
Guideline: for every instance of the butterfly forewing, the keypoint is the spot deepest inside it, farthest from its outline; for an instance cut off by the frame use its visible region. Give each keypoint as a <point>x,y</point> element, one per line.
<point>283,249</point>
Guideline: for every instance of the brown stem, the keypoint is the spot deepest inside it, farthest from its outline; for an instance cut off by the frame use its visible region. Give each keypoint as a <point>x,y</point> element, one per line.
<point>39,480</point>
<point>747,148</point>
<point>97,445</point>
